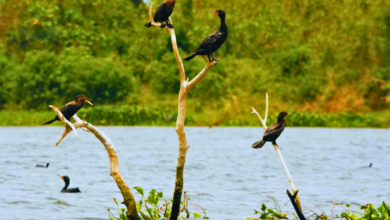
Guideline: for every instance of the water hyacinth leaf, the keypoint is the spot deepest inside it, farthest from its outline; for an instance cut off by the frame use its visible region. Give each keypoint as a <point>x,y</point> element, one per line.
<point>197,215</point>
<point>139,190</point>
<point>152,197</point>
<point>263,207</point>
<point>160,195</point>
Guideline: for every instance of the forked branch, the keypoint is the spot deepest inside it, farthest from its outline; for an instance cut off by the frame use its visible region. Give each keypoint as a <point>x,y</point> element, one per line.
<point>295,205</point>
<point>185,83</point>
<point>185,87</point>
<point>276,147</point>
<point>129,201</point>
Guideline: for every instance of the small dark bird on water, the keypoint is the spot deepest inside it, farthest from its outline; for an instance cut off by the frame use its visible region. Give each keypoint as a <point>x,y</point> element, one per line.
<point>39,165</point>
<point>65,189</point>
<point>71,108</point>
<point>213,41</point>
<point>162,13</point>
<point>273,132</point>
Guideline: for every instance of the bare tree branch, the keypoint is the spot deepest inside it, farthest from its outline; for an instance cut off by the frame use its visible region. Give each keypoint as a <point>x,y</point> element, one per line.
<point>129,201</point>
<point>185,88</point>
<point>276,147</point>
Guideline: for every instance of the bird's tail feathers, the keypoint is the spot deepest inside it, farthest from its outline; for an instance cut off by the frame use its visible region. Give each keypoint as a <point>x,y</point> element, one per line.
<point>49,122</point>
<point>258,144</point>
<point>148,25</point>
<point>190,57</point>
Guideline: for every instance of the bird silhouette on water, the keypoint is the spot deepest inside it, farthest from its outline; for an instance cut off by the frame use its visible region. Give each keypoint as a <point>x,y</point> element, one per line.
<point>273,132</point>
<point>162,14</point>
<point>214,41</point>
<point>71,108</point>
<point>70,190</point>
<point>39,165</point>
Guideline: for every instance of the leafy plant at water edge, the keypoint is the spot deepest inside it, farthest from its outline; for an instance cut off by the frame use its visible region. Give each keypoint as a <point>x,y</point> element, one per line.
<point>121,212</point>
<point>369,213</point>
<point>268,213</point>
<point>156,207</point>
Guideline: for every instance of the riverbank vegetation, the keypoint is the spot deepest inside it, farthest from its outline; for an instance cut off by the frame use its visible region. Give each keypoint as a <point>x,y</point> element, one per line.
<point>138,116</point>
<point>324,59</point>
<point>366,212</point>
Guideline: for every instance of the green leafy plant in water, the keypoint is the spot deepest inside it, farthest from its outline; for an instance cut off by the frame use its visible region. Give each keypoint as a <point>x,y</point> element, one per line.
<point>156,207</point>
<point>268,213</point>
<point>370,213</point>
<point>121,212</point>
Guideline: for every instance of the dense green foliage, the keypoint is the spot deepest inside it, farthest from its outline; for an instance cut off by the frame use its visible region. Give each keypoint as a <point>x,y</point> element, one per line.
<point>134,115</point>
<point>310,56</point>
<point>156,207</point>
<point>366,212</point>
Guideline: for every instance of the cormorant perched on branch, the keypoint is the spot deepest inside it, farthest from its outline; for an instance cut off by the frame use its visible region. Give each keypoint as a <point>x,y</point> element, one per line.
<point>65,189</point>
<point>162,13</point>
<point>71,108</point>
<point>213,41</point>
<point>273,132</point>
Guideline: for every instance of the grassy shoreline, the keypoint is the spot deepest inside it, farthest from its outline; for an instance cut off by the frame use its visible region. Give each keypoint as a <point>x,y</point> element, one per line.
<point>136,116</point>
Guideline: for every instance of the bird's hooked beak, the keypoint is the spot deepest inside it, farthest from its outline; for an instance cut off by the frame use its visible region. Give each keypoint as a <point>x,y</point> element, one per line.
<point>214,12</point>
<point>61,177</point>
<point>88,102</point>
<point>287,115</point>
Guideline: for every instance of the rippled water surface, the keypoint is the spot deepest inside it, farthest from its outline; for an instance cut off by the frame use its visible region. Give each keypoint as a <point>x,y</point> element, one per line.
<point>223,173</point>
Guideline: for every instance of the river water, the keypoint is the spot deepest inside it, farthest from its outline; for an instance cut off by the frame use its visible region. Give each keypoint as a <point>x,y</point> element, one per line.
<point>223,173</point>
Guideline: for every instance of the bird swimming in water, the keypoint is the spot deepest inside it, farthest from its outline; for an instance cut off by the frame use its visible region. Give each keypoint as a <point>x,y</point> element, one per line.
<point>213,41</point>
<point>39,165</point>
<point>65,189</point>
<point>71,108</point>
<point>162,13</point>
<point>273,132</point>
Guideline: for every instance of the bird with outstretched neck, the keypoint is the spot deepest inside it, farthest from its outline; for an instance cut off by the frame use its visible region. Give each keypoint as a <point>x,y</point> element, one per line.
<point>213,41</point>
<point>162,13</point>
<point>39,165</point>
<point>71,108</point>
<point>65,189</point>
<point>273,132</point>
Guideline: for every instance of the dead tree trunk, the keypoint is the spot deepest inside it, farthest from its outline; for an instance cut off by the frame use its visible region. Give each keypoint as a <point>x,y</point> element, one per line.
<point>185,88</point>
<point>128,198</point>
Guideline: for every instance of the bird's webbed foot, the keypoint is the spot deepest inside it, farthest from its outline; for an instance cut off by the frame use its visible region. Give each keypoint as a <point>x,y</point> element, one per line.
<point>170,26</point>
<point>162,25</point>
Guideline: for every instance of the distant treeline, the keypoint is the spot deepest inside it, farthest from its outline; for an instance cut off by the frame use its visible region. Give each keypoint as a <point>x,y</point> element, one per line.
<point>310,56</point>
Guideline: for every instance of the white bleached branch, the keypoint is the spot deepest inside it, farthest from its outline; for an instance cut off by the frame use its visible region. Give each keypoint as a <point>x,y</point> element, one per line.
<point>185,88</point>
<point>278,152</point>
<point>154,24</point>
<point>114,163</point>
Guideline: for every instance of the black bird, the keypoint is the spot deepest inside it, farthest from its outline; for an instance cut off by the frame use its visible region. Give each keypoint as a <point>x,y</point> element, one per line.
<point>273,132</point>
<point>162,13</point>
<point>39,165</point>
<point>213,41</point>
<point>65,189</point>
<point>71,108</point>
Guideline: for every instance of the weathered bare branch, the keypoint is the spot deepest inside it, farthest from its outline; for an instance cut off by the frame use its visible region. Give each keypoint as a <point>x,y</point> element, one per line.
<point>129,201</point>
<point>185,88</point>
<point>154,24</point>
<point>295,205</point>
<point>276,147</point>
